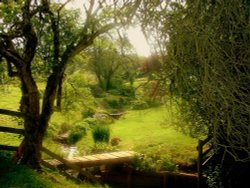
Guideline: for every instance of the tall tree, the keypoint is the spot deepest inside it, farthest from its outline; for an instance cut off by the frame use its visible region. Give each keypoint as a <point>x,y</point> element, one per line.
<point>19,41</point>
<point>208,53</point>
<point>110,61</point>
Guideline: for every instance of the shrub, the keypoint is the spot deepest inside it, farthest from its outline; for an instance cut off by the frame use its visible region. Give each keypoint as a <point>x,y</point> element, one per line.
<point>64,127</point>
<point>101,133</point>
<point>113,103</point>
<point>143,163</point>
<point>139,105</point>
<point>115,141</point>
<point>127,91</point>
<point>52,130</point>
<point>77,133</point>
<point>153,163</point>
<point>91,121</point>
<point>96,91</point>
<point>167,164</point>
<point>88,113</point>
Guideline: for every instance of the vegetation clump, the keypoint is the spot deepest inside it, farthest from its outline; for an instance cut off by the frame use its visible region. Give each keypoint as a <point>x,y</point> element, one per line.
<point>101,134</point>
<point>79,131</point>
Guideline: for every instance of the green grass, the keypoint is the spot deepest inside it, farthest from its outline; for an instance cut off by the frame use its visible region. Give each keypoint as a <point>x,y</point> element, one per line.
<point>22,177</point>
<point>10,97</point>
<point>150,132</point>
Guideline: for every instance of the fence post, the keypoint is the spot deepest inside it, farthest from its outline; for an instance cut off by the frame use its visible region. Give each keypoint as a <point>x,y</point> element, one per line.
<point>199,163</point>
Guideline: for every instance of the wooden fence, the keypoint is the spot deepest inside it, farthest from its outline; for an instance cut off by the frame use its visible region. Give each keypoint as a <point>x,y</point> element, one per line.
<point>202,159</point>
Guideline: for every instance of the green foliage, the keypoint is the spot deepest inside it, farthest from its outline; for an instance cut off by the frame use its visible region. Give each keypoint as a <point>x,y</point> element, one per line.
<point>151,163</point>
<point>101,133</point>
<point>76,93</point>
<point>139,105</point>
<point>91,121</point>
<point>166,164</point>
<point>64,128</point>
<point>97,91</point>
<point>88,113</point>
<point>109,62</point>
<point>213,178</point>
<point>51,130</point>
<point>114,103</point>
<point>79,131</point>
<point>127,91</point>
<point>143,163</point>
<point>211,76</point>
<point>207,55</point>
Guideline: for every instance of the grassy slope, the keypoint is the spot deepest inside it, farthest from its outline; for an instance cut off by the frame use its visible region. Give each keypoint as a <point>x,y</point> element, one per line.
<point>22,177</point>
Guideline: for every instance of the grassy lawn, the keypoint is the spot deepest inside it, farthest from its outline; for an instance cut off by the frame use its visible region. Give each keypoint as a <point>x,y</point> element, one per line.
<point>149,132</point>
<point>10,98</point>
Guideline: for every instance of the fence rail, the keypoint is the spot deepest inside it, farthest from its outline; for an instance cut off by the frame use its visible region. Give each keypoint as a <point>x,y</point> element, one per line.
<point>11,113</point>
<point>11,130</point>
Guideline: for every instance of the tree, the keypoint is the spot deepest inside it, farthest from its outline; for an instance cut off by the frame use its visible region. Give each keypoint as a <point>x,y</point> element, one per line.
<point>108,61</point>
<point>19,41</point>
<point>208,55</point>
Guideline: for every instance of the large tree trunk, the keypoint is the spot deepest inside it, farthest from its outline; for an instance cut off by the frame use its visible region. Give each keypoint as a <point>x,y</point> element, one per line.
<point>30,107</point>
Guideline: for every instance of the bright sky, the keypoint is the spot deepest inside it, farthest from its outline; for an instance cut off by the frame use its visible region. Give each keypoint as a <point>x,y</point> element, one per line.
<point>135,35</point>
<point>138,40</point>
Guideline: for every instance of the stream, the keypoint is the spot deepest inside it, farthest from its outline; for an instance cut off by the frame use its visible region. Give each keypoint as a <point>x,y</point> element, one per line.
<point>70,151</point>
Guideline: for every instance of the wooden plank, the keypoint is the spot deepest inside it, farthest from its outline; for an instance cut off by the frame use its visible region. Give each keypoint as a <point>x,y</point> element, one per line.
<point>11,130</point>
<point>117,154</point>
<point>109,156</point>
<point>99,156</point>
<point>8,148</point>
<point>11,113</point>
<point>122,154</point>
<point>90,157</point>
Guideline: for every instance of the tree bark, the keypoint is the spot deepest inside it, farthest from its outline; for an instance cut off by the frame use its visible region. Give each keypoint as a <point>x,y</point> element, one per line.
<point>30,107</point>
<point>59,94</point>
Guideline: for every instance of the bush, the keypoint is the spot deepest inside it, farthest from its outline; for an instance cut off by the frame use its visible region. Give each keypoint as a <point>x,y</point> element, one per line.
<point>52,130</point>
<point>88,113</point>
<point>139,105</point>
<point>115,141</point>
<point>153,163</point>
<point>91,121</point>
<point>64,128</point>
<point>166,165</point>
<point>101,133</point>
<point>113,103</point>
<point>96,91</point>
<point>77,133</point>
<point>143,163</point>
<point>127,91</point>
<point>117,103</point>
